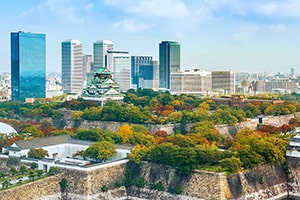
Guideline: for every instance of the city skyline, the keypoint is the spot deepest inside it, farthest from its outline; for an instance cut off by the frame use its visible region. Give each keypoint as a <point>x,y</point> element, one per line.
<point>232,35</point>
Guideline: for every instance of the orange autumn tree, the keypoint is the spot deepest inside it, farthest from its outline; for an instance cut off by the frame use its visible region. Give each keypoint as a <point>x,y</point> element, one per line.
<point>125,132</point>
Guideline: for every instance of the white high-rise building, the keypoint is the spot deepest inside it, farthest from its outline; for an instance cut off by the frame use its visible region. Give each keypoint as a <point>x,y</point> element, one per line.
<point>119,62</point>
<point>72,66</point>
<point>223,82</point>
<point>100,53</point>
<point>87,67</point>
<point>194,82</point>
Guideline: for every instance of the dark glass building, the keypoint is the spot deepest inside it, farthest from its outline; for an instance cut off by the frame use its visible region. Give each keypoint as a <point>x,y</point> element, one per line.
<point>136,63</point>
<point>28,65</point>
<point>169,61</point>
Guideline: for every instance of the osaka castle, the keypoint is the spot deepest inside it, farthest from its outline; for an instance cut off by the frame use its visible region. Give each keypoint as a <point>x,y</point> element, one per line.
<point>102,88</point>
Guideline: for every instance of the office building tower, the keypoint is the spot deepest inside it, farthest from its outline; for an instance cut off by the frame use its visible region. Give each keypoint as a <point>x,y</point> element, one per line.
<point>72,66</point>
<point>138,62</point>
<point>155,75</point>
<point>100,49</point>
<point>194,82</point>
<point>223,82</point>
<point>148,76</point>
<point>87,67</point>
<point>28,65</point>
<point>119,63</point>
<point>292,72</point>
<point>169,61</point>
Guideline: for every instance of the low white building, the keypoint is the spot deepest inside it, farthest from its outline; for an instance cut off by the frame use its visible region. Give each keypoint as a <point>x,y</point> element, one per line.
<point>293,149</point>
<point>61,149</point>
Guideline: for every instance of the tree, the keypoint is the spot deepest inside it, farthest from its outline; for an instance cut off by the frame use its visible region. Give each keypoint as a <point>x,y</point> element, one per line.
<point>231,165</point>
<point>138,153</point>
<point>94,134</point>
<point>23,169</point>
<point>207,130</point>
<point>33,131</point>
<point>38,153</point>
<point>141,138</point>
<point>125,132</point>
<point>33,165</point>
<point>100,151</point>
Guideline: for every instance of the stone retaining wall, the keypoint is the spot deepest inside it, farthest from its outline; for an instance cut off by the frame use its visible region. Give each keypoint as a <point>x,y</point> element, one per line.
<point>89,183</point>
<point>35,190</point>
<point>170,128</point>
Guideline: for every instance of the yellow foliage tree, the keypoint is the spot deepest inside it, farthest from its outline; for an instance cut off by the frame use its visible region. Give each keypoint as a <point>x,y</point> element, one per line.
<point>125,132</point>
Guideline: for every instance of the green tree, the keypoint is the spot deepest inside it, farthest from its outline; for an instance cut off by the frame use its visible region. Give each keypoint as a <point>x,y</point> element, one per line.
<point>23,169</point>
<point>33,131</point>
<point>100,151</point>
<point>232,164</point>
<point>138,153</point>
<point>141,138</point>
<point>33,165</point>
<point>94,134</point>
<point>39,153</point>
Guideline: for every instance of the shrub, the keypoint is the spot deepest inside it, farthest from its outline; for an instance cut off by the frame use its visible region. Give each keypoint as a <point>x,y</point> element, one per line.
<point>33,165</point>
<point>104,188</point>
<point>178,190</point>
<point>63,184</point>
<point>140,182</point>
<point>262,180</point>
<point>158,186</point>
<point>118,184</point>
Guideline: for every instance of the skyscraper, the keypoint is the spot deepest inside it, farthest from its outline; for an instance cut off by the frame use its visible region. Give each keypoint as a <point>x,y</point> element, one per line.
<point>100,53</point>
<point>136,63</point>
<point>169,61</point>
<point>119,62</point>
<point>72,66</point>
<point>28,65</point>
<point>87,67</point>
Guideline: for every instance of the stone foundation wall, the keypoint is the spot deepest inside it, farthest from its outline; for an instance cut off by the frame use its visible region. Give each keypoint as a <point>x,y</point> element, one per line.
<point>263,182</point>
<point>90,182</point>
<point>170,128</point>
<point>35,190</point>
<point>252,123</point>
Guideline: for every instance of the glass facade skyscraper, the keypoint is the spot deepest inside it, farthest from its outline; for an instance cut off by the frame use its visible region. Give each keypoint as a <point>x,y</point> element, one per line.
<point>72,66</point>
<point>169,61</point>
<point>100,49</point>
<point>28,65</point>
<point>136,63</point>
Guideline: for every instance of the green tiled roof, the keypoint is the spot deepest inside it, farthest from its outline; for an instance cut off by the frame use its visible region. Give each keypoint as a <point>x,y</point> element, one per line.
<point>102,70</point>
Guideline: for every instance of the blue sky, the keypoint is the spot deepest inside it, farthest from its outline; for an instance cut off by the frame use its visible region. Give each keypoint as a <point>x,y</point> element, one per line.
<point>237,35</point>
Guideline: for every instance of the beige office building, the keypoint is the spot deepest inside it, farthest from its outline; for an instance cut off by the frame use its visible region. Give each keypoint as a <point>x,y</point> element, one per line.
<point>223,82</point>
<point>195,82</point>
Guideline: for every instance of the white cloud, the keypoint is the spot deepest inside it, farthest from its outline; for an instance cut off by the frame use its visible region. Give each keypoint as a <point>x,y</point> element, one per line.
<point>153,8</point>
<point>268,9</point>
<point>64,9</point>
<point>28,12</point>
<point>131,26</point>
<point>88,7</point>
<point>278,27</point>
<point>245,33</point>
<point>280,9</point>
